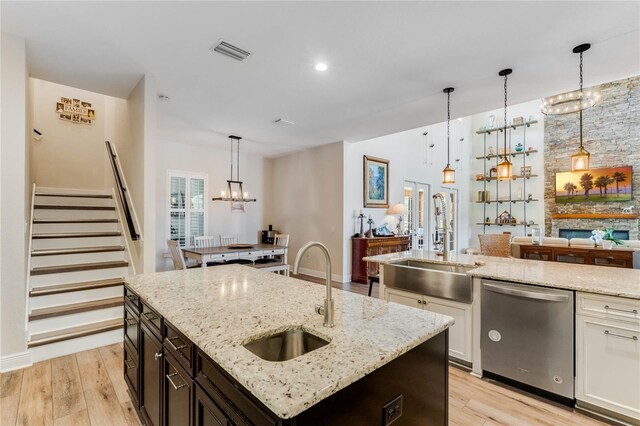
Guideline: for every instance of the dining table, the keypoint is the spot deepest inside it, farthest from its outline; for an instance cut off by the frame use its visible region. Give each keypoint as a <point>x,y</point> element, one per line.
<point>202,255</point>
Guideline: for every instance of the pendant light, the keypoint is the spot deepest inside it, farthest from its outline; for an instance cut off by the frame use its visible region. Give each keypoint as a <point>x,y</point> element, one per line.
<point>580,160</point>
<point>239,195</point>
<point>505,167</point>
<point>448,173</point>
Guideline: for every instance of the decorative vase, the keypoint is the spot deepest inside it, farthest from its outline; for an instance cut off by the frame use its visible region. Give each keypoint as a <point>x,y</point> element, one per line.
<point>519,147</point>
<point>607,244</point>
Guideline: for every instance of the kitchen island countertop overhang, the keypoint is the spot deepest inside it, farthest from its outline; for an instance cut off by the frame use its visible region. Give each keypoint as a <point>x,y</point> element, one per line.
<point>220,309</point>
<point>603,280</point>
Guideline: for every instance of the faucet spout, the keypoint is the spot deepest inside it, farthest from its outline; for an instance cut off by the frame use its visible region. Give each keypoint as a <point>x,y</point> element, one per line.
<point>328,310</point>
<point>442,222</point>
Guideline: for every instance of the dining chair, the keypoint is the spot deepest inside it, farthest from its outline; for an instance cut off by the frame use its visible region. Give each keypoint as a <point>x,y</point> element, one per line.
<point>177,256</point>
<point>495,245</point>
<point>204,241</point>
<point>278,240</point>
<point>226,240</point>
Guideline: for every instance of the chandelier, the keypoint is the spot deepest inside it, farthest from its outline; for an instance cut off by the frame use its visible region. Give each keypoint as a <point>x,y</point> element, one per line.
<point>234,192</point>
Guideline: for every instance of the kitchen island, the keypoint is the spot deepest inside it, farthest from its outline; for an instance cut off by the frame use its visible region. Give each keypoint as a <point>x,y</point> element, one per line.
<point>601,328</point>
<point>384,361</point>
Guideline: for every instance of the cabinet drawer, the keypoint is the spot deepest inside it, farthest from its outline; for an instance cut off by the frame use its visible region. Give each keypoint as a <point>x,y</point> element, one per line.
<point>131,326</point>
<point>179,346</point>
<point>617,308</point>
<point>218,257</point>
<point>131,372</point>
<point>152,319</point>
<point>132,300</point>
<point>572,256</point>
<point>619,259</point>
<point>536,253</point>
<point>234,401</point>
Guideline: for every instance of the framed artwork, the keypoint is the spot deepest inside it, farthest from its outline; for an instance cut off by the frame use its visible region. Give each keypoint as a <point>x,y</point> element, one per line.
<point>597,185</point>
<point>376,182</point>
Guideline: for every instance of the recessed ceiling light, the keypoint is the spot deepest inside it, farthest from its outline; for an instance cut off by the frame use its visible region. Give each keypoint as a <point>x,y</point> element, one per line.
<point>321,67</point>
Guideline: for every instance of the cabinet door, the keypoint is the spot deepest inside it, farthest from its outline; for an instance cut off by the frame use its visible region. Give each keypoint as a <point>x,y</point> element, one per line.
<point>151,390</point>
<point>536,253</point>
<point>618,259</point>
<point>405,298</point>
<point>460,332</point>
<point>131,372</point>
<point>178,389</point>
<point>131,327</point>
<point>206,411</point>
<point>608,365</point>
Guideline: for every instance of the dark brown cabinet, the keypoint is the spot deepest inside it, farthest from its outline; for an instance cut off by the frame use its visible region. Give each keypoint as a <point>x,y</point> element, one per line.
<point>131,371</point>
<point>578,255</point>
<point>150,383</point>
<point>178,393</point>
<point>131,327</point>
<point>363,247</point>
<point>206,411</point>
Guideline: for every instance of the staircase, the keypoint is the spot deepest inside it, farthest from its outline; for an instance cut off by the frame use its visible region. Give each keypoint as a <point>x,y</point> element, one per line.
<point>78,262</point>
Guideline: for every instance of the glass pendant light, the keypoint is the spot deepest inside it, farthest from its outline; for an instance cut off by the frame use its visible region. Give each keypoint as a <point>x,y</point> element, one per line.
<point>580,160</point>
<point>448,173</point>
<point>505,167</point>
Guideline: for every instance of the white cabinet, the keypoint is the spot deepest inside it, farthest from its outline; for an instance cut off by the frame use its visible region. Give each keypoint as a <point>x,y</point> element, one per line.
<point>608,354</point>
<point>459,333</point>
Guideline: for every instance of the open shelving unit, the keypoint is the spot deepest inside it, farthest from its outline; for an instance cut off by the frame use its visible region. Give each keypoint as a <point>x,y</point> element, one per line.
<point>492,183</point>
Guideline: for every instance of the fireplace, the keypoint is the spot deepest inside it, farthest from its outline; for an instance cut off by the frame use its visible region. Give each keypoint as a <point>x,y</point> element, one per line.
<point>586,233</point>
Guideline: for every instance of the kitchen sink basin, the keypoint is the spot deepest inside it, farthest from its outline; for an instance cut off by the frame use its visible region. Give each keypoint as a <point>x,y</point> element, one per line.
<point>285,345</point>
<point>430,279</point>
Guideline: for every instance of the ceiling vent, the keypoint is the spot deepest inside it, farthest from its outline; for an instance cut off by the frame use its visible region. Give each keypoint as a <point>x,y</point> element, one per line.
<point>230,50</point>
<point>283,122</point>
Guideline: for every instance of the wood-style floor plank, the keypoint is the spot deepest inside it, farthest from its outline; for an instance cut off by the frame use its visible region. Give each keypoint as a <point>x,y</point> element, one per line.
<point>10,385</point>
<point>112,358</point>
<point>79,418</point>
<point>68,395</point>
<point>100,396</point>
<point>36,406</point>
<point>130,414</point>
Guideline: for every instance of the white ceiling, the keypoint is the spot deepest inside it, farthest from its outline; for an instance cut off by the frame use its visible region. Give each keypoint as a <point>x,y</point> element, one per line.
<point>388,61</point>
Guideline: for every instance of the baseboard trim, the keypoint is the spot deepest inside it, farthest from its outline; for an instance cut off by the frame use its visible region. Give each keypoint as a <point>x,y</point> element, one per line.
<point>319,274</point>
<point>15,361</point>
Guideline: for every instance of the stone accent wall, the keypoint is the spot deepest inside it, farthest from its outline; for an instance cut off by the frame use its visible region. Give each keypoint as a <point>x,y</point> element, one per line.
<point>611,133</point>
<point>619,224</point>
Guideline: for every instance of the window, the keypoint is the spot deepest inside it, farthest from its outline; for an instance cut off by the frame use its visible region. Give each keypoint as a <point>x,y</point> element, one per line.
<point>187,206</point>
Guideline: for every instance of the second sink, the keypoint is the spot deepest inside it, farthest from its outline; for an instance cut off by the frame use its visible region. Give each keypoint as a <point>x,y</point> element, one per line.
<point>285,345</point>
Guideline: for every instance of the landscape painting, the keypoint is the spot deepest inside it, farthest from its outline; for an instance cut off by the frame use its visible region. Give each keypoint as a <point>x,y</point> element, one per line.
<point>596,185</point>
<point>376,182</point>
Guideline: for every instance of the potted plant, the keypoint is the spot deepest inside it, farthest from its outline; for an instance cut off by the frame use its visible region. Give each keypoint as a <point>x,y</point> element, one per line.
<point>608,240</point>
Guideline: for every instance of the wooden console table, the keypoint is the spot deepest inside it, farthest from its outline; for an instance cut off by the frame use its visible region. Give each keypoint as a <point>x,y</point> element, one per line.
<point>363,247</point>
<point>619,258</point>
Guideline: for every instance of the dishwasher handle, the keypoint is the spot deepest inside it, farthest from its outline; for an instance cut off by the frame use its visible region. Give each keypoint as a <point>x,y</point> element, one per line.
<point>529,294</point>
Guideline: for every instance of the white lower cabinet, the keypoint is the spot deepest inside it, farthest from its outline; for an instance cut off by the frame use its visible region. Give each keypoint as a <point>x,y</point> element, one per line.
<point>459,333</point>
<point>608,359</point>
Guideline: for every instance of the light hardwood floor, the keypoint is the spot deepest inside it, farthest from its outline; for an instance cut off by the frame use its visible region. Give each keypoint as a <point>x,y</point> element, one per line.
<point>88,388</point>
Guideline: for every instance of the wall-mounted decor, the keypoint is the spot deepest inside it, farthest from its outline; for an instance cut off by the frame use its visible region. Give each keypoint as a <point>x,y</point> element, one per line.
<point>596,185</point>
<point>75,110</point>
<point>376,182</point>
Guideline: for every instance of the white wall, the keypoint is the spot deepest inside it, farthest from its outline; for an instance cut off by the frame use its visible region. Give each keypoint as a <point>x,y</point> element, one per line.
<point>306,190</point>
<point>409,159</point>
<point>535,186</point>
<point>215,164</point>
<point>72,155</point>
<point>15,190</point>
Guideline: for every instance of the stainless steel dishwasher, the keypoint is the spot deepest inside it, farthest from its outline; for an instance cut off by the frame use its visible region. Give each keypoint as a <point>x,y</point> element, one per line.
<point>527,335</point>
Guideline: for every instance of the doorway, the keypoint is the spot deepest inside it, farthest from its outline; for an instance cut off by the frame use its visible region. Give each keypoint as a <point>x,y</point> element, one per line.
<point>416,219</point>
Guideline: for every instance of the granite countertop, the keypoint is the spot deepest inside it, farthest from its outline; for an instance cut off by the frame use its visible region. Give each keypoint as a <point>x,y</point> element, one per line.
<point>223,307</point>
<point>588,278</point>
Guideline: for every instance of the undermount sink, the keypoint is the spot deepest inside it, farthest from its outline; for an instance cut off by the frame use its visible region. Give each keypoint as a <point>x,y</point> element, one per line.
<point>285,345</point>
<point>431,279</point>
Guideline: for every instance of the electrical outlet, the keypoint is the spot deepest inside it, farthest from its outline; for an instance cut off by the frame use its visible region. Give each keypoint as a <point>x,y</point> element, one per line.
<point>392,411</point>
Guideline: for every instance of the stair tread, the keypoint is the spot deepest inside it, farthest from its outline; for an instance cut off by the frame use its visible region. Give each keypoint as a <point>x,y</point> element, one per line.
<point>74,308</point>
<point>75,332</point>
<point>78,286</point>
<point>75,234</point>
<point>56,269</point>
<point>78,195</point>
<point>39,221</point>
<point>77,250</point>
<point>71,207</point>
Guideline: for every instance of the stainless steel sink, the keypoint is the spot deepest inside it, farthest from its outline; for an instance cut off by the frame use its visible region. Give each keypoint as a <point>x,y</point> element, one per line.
<point>285,345</point>
<point>430,279</point>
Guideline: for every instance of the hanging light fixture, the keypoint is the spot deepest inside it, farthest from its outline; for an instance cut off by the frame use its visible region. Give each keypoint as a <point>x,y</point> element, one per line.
<point>448,173</point>
<point>577,100</point>
<point>505,166</point>
<point>238,195</point>
<point>580,160</point>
